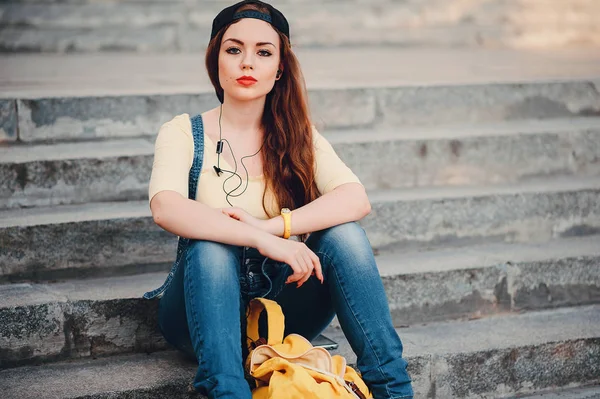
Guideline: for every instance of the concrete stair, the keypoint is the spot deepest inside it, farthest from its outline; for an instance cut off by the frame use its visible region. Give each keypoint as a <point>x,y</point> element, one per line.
<point>120,234</point>
<point>107,316</point>
<point>484,177</point>
<point>77,118</point>
<point>119,169</point>
<point>176,26</point>
<point>493,357</point>
<point>590,392</point>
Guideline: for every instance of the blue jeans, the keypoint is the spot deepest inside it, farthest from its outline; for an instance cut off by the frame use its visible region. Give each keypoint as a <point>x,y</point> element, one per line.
<point>202,312</point>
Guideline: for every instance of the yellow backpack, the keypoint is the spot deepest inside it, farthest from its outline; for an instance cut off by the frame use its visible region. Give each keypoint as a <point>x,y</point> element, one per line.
<point>292,368</point>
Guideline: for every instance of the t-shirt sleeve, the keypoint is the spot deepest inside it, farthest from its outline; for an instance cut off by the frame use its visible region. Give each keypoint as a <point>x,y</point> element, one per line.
<point>330,170</point>
<point>173,156</point>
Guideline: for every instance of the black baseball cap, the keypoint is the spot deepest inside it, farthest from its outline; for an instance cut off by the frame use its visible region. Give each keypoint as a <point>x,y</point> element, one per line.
<point>229,15</point>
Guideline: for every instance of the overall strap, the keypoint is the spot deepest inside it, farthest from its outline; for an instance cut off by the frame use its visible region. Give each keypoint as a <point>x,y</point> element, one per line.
<point>198,133</point>
<point>194,175</point>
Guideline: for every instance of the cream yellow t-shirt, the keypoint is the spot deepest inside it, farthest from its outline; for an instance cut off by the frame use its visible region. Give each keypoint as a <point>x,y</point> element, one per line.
<point>174,154</point>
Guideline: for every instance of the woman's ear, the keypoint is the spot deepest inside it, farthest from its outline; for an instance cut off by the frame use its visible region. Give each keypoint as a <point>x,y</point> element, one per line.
<point>279,72</point>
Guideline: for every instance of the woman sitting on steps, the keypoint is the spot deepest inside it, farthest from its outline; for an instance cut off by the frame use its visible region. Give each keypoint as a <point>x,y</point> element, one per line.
<point>238,222</point>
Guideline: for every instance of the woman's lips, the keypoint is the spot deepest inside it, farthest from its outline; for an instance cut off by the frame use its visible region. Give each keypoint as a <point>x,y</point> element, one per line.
<point>246,80</point>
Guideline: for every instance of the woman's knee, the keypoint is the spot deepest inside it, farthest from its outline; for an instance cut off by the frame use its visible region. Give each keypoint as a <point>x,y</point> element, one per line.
<point>213,260</point>
<point>347,239</point>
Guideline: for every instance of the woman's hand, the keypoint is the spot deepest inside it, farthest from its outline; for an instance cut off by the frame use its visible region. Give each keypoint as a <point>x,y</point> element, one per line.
<point>245,217</point>
<point>301,259</point>
<point>268,225</point>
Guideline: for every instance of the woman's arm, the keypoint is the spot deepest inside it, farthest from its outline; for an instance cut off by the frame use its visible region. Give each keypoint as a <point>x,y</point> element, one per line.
<point>194,220</point>
<point>346,203</point>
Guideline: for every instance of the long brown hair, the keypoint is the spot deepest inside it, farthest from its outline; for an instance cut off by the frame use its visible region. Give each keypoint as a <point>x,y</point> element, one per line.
<point>288,154</point>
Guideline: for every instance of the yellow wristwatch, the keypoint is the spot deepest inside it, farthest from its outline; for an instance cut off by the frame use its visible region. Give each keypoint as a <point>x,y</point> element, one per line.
<point>286,214</point>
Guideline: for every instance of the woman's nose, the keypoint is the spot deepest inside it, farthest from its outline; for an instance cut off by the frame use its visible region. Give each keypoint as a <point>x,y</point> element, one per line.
<point>247,62</point>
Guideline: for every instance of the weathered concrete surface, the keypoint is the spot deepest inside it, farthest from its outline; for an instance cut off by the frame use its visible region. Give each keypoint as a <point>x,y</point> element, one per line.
<point>475,281</point>
<point>590,392</point>
<point>519,354</point>
<point>18,39</point>
<point>87,118</point>
<point>119,169</point>
<point>106,316</point>
<point>505,287</point>
<point>533,211</point>
<point>501,356</point>
<point>507,371</point>
<point>464,155</point>
<point>110,235</point>
<point>31,76</point>
<point>156,376</point>
<point>524,23</point>
<point>8,121</point>
<point>73,323</point>
<point>43,175</point>
<point>385,108</point>
<point>104,235</point>
<point>450,104</point>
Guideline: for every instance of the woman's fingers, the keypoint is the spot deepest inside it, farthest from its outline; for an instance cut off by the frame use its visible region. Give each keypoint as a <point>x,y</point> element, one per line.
<point>304,258</point>
<point>298,256</point>
<point>317,266</point>
<point>299,267</point>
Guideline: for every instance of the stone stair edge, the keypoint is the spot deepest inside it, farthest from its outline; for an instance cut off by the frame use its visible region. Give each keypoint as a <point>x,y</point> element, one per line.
<point>587,391</point>
<point>127,209</point>
<point>593,80</point>
<point>481,256</point>
<point>119,116</point>
<point>435,371</point>
<point>112,147</point>
<point>391,265</point>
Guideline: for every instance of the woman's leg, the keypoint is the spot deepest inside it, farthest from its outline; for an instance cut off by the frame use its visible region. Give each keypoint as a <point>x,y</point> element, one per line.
<point>200,311</point>
<point>357,295</point>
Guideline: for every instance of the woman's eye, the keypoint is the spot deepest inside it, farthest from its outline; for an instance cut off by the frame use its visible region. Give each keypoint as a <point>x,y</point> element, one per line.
<point>233,50</point>
<point>264,53</point>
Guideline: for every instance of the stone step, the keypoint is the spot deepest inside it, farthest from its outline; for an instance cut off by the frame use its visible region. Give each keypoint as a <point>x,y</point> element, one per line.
<point>185,26</point>
<point>501,356</point>
<point>71,173</point>
<point>36,76</point>
<point>119,169</point>
<point>73,239</point>
<point>588,392</point>
<point>350,101</point>
<point>100,317</point>
<point>494,357</point>
<point>77,118</point>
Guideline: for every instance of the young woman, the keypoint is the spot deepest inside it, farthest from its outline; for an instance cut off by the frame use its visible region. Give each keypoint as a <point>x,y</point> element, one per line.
<point>261,155</point>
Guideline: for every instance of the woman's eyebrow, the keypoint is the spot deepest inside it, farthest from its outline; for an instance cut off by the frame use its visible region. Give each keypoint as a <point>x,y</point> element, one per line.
<point>238,41</point>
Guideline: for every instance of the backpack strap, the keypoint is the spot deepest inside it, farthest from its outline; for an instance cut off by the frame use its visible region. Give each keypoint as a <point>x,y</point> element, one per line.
<point>275,321</point>
<point>194,176</point>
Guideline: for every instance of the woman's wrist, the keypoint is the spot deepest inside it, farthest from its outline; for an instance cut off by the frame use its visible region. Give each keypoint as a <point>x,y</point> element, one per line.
<point>276,226</point>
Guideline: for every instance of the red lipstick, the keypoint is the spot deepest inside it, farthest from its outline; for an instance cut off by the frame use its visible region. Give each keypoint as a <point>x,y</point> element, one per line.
<point>246,80</point>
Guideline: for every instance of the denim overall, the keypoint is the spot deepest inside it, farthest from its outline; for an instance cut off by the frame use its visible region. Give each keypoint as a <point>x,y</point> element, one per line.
<point>182,243</point>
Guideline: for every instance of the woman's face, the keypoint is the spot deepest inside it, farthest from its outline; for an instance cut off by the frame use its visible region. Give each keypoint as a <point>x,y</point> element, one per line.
<point>249,48</point>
